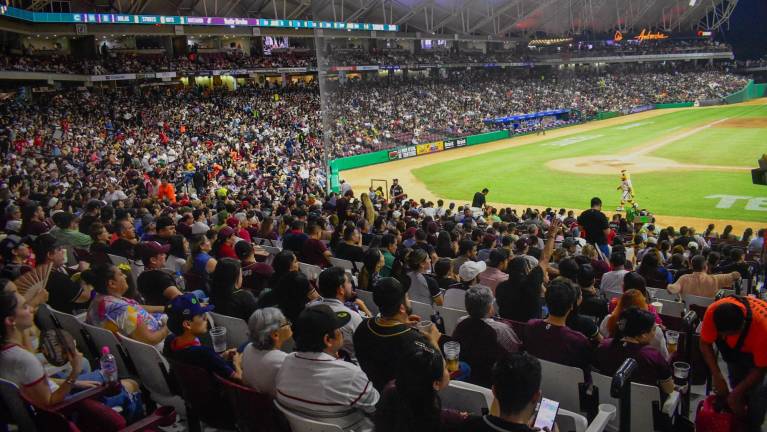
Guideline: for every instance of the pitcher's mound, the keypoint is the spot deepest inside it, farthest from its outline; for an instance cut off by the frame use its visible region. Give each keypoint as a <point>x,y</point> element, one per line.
<point>611,164</point>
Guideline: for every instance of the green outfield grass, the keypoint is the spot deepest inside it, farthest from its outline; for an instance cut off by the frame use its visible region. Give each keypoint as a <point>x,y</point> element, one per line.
<point>519,174</point>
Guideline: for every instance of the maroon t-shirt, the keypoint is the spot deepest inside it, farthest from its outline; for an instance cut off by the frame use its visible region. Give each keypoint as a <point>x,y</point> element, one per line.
<point>651,369</point>
<point>312,253</point>
<point>558,345</point>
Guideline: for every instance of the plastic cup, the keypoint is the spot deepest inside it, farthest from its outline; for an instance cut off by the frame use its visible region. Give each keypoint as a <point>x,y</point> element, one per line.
<point>424,327</point>
<point>218,336</point>
<point>658,306</point>
<point>672,340</point>
<point>452,351</point>
<point>681,375</point>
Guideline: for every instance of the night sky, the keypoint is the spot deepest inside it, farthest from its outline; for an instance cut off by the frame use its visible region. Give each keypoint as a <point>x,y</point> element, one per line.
<point>748,29</point>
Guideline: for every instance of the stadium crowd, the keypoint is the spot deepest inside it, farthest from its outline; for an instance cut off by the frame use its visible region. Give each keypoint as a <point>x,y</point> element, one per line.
<point>185,184</point>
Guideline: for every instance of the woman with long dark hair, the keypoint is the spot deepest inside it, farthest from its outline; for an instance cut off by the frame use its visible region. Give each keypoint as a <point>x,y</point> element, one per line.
<point>412,403</point>
<point>635,331</point>
<point>178,253</point>
<point>651,269</point>
<point>293,293</point>
<point>226,292</point>
<point>267,229</point>
<point>372,263</point>
<point>33,221</point>
<point>446,247</point>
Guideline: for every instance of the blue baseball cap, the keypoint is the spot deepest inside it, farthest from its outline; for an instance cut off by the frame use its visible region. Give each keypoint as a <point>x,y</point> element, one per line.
<point>184,308</point>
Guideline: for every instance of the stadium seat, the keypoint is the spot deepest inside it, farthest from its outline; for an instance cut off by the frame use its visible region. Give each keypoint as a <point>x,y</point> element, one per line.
<point>367,298</point>
<point>455,298</point>
<point>344,264</point>
<point>75,328</point>
<point>646,410</point>
<point>672,308</point>
<point>451,318</point>
<point>312,272</point>
<point>237,333</point>
<point>662,294</point>
<point>253,411</point>
<point>203,396</point>
<point>104,338</point>
<point>702,302</point>
<point>154,373</point>
<point>300,423</point>
<point>462,396</point>
<point>563,384</point>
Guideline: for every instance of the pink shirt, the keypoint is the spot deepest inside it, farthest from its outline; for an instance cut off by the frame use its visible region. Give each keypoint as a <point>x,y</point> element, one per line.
<point>492,277</point>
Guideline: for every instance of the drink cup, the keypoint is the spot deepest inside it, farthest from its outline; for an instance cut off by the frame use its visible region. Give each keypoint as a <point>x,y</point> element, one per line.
<point>452,351</point>
<point>424,327</point>
<point>218,336</point>
<point>658,307</point>
<point>681,375</point>
<point>672,340</point>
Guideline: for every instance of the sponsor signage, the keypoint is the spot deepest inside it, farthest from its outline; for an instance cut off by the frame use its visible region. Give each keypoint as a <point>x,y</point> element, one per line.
<point>640,108</point>
<point>99,18</point>
<point>113,77</point>
<point>432,147</point>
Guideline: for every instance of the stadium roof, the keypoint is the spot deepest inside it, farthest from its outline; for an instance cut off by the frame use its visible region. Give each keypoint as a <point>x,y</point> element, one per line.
<point>481,17</point>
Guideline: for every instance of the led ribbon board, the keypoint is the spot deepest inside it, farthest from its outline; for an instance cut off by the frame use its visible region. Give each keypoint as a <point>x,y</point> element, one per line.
<point>99,18</point>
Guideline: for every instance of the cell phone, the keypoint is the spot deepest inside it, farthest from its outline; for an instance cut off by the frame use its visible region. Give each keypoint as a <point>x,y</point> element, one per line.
<point>547,414</point>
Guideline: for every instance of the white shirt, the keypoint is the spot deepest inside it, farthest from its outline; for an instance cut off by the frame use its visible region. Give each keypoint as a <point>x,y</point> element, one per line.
<point>613,281</point>
<point>22,368</point>
<point>323,387</point>
<point>259,368</point>
<point>115,196</point>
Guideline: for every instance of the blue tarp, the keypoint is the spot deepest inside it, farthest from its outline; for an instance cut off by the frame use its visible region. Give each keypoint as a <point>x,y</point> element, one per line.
<point>516,118</point>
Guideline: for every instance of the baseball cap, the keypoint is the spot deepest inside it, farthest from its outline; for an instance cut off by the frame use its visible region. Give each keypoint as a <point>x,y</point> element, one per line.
<point>652,240</point>
<point>232,221</point>
<point>226,231</point>
<point>693,245</point>
<point>388,293</point>
<point>470,270</point>
<point>316,321</point>
<point>569,241</point>
<point>9,243</point>
<point>199,228</point>
<point>184,308</point>
<point>149,250</point>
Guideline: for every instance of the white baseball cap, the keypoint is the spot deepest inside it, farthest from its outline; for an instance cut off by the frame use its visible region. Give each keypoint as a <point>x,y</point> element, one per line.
<point>471,269</point>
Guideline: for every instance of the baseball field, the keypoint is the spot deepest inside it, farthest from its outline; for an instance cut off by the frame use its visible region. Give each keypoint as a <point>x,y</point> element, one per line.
<point>688,166</point>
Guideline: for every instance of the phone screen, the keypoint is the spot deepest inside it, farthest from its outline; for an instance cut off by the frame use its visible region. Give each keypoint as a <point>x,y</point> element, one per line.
<point>547,414</point>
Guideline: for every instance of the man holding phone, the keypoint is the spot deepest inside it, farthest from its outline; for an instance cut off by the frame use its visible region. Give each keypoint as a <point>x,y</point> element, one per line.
<point>517,390</point>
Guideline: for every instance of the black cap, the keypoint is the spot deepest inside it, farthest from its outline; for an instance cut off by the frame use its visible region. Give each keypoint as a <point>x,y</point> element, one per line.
<point>388,293</point>
<point>316,321</point>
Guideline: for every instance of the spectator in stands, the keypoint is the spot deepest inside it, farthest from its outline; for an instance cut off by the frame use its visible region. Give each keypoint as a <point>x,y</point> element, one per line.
<point>109,309</point>
<point>613,280</point>
<point>65,295</point>
<point>177,253</point>
<point>412,402</point>
<point>16,253</point>
<point>381,341</point>
<point>738,327</point>
<point>126,240</point>
<point>295,238</point>
<point>572,347</point>
<point>735,263</point>
<point>593,303</point>
<point>292,293</point>
<point>315,382</point>
<point>66,231</point>
<point>187,322</point>
<point>350,249</point>
<point>262,358</point>
<point>155,283</point>
<point>595,223</point>
<point>255,275</point>
<point>372,263</point>
<point>313,251</point>
<point>388,248</point>
<point>467,251</point>
<point>757,244</point>
<point>446,246</point>
<point>423,287</point>
<point>335,289</point>
<point>517,390</point>
<point>496,270</point>
<point>468,277</point>
<point>700,282</point>
<point>480,348</point>
<point>585,325</point>
<point>284,263</point>
<point>650,269</point>
<point>166,229</point>
<point>632,339</point>
<point>22,368</point>
<point>33,221</point>
<point>443,271</point>
<point>633,298</point>
<point>520,297</point>
<point>226,292</point>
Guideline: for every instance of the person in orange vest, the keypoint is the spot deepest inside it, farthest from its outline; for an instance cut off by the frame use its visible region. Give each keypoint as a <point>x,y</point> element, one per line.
<point>167,191</point>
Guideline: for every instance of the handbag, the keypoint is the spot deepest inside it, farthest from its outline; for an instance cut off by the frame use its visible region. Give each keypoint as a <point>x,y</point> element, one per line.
<point>713,415</point>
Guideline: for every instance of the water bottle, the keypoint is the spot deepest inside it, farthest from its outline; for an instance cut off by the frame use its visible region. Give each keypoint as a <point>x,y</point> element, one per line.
<point>108,366</point>
<point>179,279</point>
